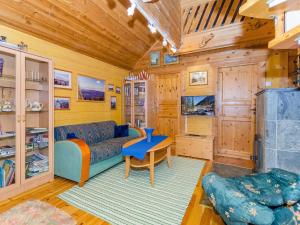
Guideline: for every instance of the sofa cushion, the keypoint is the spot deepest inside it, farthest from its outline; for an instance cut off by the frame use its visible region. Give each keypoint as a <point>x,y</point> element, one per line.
<point>121,131</point>
<point>106,130</point>
<point>92,133</point>
<point>107,149</point>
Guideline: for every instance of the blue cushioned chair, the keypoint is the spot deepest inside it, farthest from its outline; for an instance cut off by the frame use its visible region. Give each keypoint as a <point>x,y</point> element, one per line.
<point>271,198</point>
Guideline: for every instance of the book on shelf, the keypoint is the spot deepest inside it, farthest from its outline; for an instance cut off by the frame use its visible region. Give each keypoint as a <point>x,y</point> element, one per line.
<point>7,173</point>
<point>7,150</point>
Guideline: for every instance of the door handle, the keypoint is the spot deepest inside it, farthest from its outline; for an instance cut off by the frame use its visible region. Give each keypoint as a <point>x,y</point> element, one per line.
<point>23,118</point>
<point>18,119</point>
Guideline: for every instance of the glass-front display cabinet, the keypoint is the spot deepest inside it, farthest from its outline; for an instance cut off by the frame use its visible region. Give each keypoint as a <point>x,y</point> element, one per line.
<point>26,121</point>
<point>136,103</point>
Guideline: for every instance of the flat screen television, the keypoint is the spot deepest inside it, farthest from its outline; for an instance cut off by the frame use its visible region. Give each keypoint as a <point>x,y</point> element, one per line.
<point>198,105</point>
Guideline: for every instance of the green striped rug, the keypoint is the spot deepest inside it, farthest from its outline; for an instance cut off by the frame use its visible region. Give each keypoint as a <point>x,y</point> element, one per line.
<point>133,201</point>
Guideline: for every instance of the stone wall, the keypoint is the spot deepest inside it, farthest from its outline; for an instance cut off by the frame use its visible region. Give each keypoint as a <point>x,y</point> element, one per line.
<point>279,112</point>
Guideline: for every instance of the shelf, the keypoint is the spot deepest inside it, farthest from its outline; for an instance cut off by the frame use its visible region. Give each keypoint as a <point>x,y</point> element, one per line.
<point>260,9</point>
<point>4,136</point>
<point>42,111</point>
<point>36,132</point>
<point>7,82</point>
<point>286,40</point>
<point>11,112</point>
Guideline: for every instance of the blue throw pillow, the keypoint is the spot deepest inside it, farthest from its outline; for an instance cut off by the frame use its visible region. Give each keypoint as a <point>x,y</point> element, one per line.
<point>121,131</point>
<point>71,136</point>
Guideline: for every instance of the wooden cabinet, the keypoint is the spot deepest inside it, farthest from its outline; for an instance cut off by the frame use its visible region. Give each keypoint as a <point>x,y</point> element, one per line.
<point>136,103</point>
<point>195,146</point>
<point>26,121</point>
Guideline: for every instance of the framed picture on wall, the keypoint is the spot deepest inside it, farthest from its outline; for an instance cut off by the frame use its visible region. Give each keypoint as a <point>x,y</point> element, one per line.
<point>170,59</point>
<point>62,103</point>
<point>113,102</point>
<point>154,58</point>
<point>62,79</point>
<point>118,90</point>
<point>111,87</point>
<point>90,89</point>
<point>199,78</point>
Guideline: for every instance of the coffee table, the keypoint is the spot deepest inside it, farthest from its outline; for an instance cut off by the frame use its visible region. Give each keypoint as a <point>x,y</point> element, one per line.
<point>154,155</point>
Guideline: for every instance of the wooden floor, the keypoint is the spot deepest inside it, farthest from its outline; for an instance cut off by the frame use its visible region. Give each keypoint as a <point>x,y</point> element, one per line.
<point>196,214</point>
<point>243,163</point>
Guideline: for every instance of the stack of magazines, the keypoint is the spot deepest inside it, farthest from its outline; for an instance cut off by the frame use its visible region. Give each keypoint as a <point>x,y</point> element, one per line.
<point>36,164</point>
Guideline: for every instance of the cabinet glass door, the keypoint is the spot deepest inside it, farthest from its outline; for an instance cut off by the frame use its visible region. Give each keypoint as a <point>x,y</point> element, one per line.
<point>140,104</point>
<point>36,111</point>
<point>128,104</point>
<point>9,118</point>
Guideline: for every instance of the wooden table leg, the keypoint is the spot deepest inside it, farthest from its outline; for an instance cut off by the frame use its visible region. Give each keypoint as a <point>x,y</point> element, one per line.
<point>151,167</point>
<point>169,156</point>
<point>127,166</point>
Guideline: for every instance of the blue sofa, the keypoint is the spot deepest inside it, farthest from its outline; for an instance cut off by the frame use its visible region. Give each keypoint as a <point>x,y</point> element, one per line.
<point>104,148</point>
<point>271,198</point>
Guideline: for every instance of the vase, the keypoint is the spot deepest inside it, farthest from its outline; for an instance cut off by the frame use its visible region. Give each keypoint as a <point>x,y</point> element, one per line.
<point>149,132</point>
<point>1,66</point>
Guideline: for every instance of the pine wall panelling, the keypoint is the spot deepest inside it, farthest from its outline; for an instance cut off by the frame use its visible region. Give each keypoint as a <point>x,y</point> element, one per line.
<point>211,62</point>
<point>65,59</point>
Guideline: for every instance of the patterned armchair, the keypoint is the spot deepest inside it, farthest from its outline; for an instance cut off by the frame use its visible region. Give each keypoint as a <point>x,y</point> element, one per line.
<point>271,198</point>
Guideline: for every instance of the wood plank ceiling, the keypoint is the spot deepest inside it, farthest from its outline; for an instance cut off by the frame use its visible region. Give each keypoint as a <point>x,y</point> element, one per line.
<point>98,28</point>
<point>165,14</point>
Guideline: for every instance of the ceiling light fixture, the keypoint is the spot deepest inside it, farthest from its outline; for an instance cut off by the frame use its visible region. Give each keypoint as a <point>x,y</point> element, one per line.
<point>298,40</point>
<point>173,49</point>
<point>130,10</point>
<point>152,28</point>
<point>136,4</point>
<point>165,42</point>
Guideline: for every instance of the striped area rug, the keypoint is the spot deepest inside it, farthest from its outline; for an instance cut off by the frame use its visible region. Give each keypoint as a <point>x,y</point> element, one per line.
<point>133,201</point>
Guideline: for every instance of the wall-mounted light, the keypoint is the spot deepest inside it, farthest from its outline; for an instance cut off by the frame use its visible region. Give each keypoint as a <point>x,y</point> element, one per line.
<point>152,28</point>
<point>130,10</point>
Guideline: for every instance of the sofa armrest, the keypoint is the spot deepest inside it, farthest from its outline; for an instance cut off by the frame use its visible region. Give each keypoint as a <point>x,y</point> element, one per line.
<point>232,205</point>
<point>67,160</point>
<point>136,132</point>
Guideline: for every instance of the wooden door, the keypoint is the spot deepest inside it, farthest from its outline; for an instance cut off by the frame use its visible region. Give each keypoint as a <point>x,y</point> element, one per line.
<point>236,110</point>
<point>168,95</point>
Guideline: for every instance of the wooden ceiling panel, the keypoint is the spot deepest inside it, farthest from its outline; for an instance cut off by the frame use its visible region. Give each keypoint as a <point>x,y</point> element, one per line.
<point>165,15</point>
<point>199,16</point>
<point>98,28</point>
